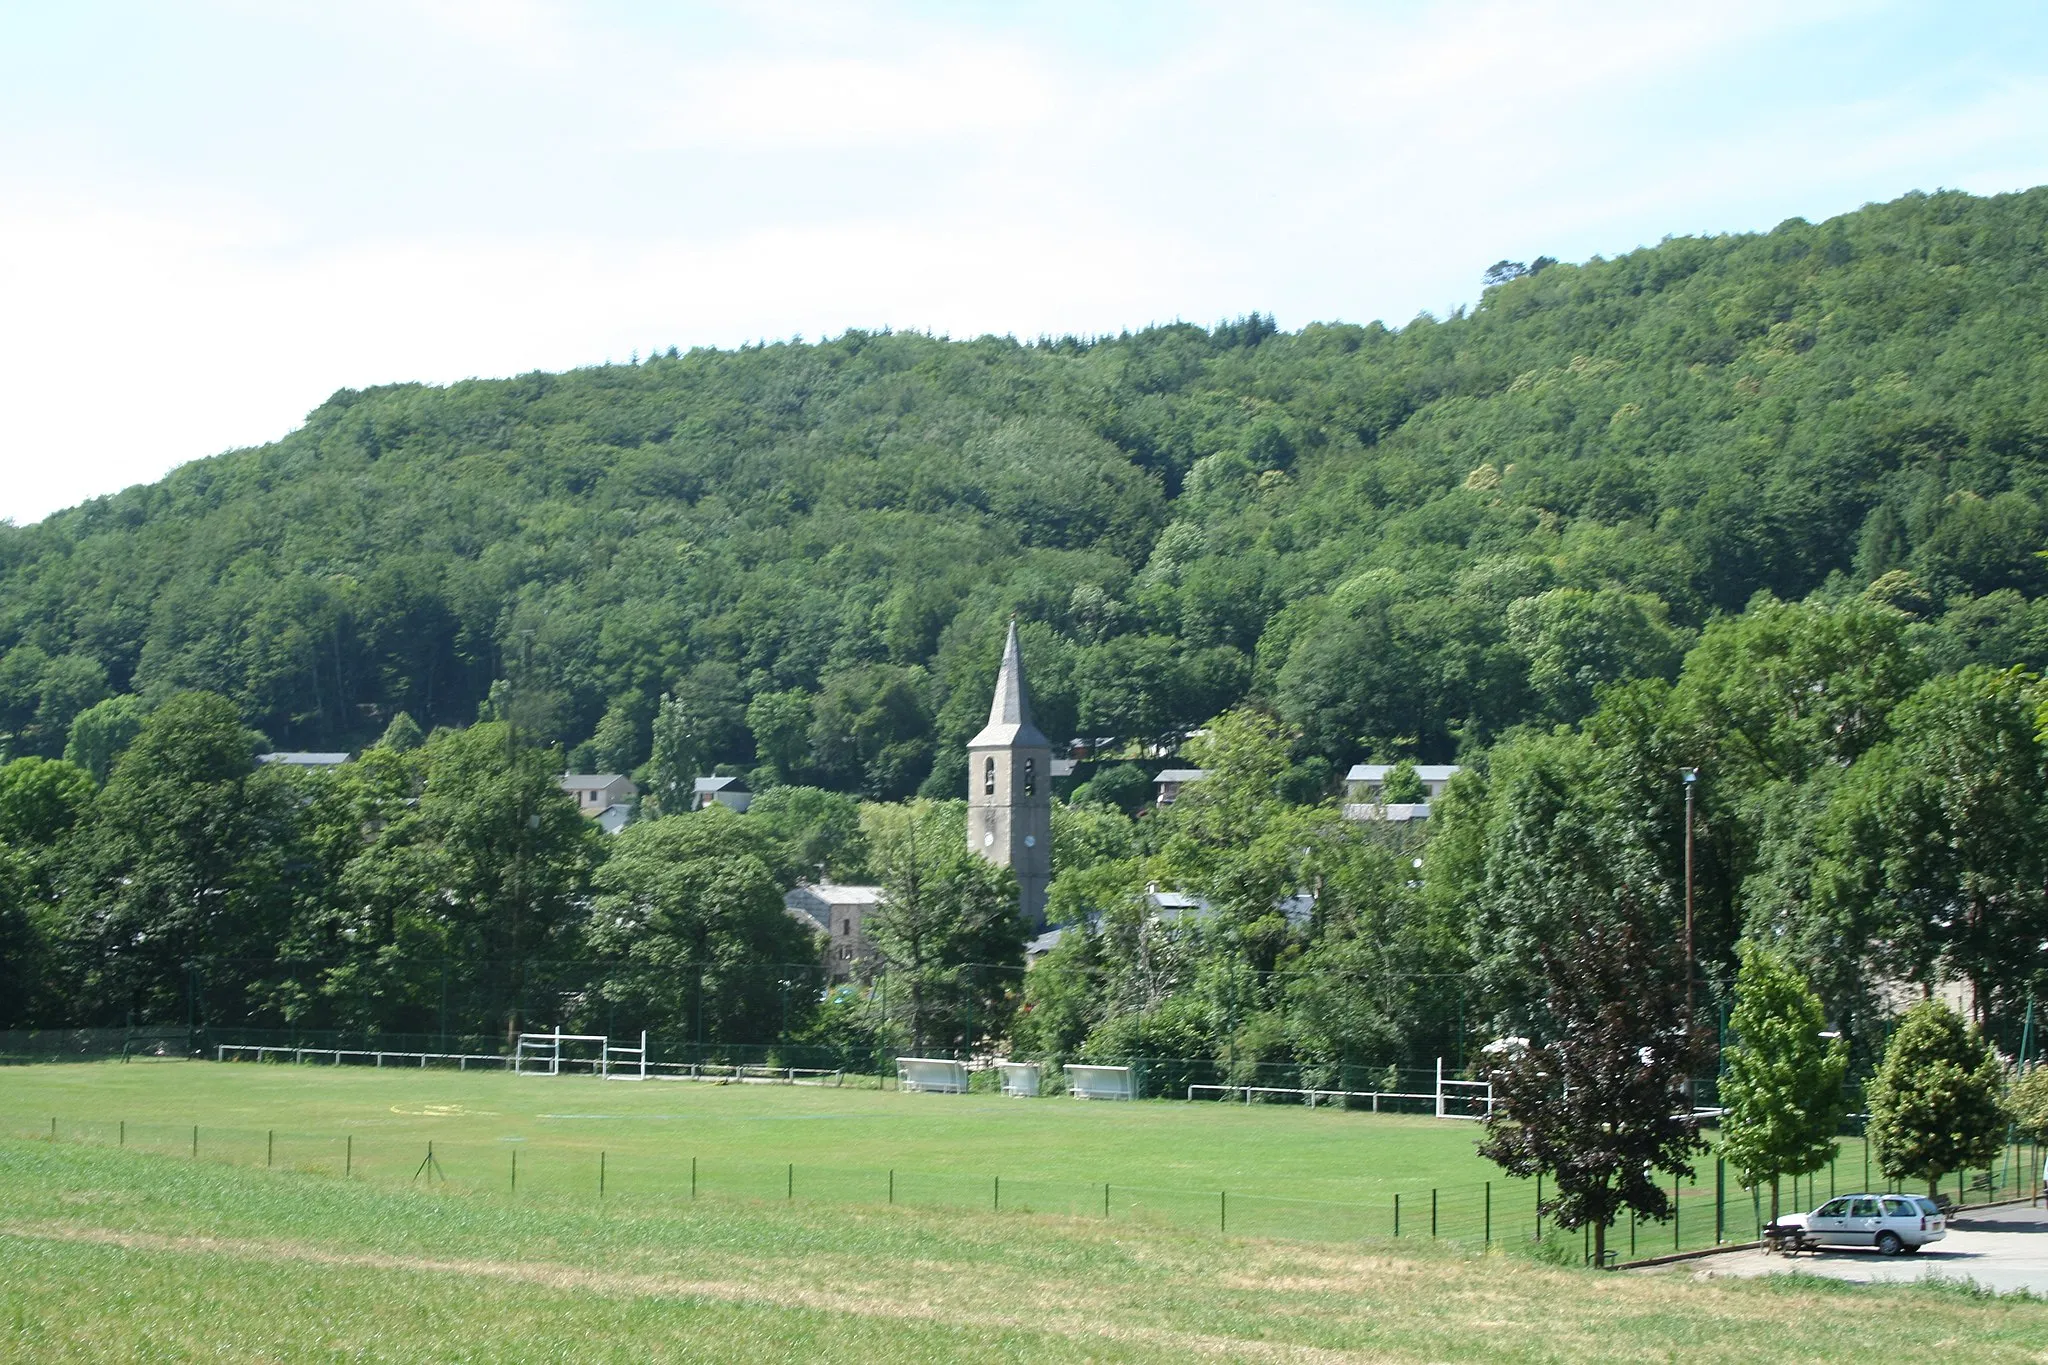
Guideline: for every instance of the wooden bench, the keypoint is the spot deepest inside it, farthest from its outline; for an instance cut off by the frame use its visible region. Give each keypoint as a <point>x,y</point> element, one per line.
<point>1785,1239</point>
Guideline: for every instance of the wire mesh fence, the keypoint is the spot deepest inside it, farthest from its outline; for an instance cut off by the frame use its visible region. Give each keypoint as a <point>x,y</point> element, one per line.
<point>1711,1209</point>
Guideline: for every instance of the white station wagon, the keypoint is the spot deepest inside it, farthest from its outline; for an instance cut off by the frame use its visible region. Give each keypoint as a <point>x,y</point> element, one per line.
<point>1891,1223</point>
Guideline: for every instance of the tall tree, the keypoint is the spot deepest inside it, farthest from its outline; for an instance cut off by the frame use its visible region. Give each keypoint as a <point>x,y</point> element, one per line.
<point>948,930</point>
<point>690,908</point>
<point>1599,1104</point>
<point>181,873</point>
<point>1781,1084</point>
<point>1935,851</point>
<point>101,732</point>
<point>1936,1105</point>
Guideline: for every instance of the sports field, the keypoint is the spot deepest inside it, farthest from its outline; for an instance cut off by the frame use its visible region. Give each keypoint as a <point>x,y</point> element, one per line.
<point>1268,1169</point>
<point>1279,1169</point>
<point>125,1255</point>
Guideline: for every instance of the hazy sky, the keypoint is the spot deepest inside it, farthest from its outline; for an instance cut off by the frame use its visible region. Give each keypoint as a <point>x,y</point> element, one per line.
<point>212,215</point>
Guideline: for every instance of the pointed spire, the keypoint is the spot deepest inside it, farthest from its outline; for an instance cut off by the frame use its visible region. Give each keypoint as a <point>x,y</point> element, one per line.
<point>1009,712</point>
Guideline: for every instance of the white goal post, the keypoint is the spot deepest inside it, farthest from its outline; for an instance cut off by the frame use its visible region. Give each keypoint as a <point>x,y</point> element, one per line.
<point>540,1054</point>
<point>931,1075</point>
<point>1102,1082</point>
<point>1020,1079</point>
<point>625,1063</point>
<point>1472,1099</point>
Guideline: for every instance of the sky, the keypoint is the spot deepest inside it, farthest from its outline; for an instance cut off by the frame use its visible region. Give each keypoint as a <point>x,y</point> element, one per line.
<point>216,213</point>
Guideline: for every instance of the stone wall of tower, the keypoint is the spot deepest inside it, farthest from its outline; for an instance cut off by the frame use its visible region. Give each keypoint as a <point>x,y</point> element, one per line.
<point>1011,825</point>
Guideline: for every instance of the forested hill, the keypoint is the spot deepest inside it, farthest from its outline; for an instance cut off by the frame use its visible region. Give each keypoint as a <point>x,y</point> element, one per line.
<point>1408,540</point>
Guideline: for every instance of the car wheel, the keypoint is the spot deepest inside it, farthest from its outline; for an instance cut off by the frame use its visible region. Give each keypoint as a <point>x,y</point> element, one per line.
<point>1889,1244</point>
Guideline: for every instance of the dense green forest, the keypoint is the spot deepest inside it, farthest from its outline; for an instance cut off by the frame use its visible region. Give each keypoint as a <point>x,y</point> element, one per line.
<point>1771,505</point>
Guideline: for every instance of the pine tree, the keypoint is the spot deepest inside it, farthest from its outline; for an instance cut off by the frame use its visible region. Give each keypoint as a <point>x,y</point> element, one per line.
<point>1782,1084</point>
<point>1935,1106</point>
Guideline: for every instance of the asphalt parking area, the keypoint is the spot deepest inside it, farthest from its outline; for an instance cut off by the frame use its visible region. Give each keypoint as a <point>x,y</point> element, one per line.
<point>2002,1249</point>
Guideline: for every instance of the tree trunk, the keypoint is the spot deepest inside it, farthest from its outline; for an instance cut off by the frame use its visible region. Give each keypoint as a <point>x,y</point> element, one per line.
<point>1600,1243</point>
<point>1774,1199</point>
<point>1934,1186</point>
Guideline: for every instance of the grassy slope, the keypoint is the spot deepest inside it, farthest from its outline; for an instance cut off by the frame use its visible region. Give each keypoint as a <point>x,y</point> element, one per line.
<point>126,1255</point>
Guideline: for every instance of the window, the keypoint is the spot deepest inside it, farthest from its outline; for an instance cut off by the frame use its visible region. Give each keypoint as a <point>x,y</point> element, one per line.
<point>1863,1208</point>
<point>1030,772</point>
<point>988,778</point>
<point>846,926</point>
<point>1834,1208</point>
<point>1899,1208</point>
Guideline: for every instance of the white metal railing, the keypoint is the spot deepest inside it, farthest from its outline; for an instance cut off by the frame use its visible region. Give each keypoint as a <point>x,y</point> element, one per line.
<point>1312,1096</point>
<point>378,1057</point>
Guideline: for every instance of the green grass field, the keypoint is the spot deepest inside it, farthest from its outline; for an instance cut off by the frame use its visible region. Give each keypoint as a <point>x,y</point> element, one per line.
<point>127,1255</point>
<point>1274,1170</point>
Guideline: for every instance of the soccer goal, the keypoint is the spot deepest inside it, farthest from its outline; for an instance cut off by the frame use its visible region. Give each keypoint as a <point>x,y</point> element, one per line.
<point>1019,1078</point>
<point>625,1063</point>
<point>1102,1082</point>
<point>540,1054</point>
<point>932,1075</point>
<point>1456,1099</point>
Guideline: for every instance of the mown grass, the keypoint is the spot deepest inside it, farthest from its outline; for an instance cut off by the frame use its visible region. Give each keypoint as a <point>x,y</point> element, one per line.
<point>1261,1169</point>
<point>122,1255</point>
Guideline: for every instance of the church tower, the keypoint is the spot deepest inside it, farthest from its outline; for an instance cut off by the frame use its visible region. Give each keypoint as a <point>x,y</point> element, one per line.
<point>1009,788</point>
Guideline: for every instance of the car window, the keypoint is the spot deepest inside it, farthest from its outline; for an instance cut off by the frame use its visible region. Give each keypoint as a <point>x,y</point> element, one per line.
<point>1900,1208</point>
<point>1863,1208</point>
<point>1928,1206</point>
<point>1834,1208</point>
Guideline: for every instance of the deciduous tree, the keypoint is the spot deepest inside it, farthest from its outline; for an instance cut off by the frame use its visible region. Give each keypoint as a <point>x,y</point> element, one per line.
<point>1781,1084</point>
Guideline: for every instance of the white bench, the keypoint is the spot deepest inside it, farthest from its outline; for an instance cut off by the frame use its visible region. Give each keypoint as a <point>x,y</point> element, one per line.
<point>1102,1083</point>
<point>931,1075</point>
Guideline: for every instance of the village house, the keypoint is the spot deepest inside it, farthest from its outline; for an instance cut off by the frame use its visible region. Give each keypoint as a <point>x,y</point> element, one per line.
<point>604,797</point>
<point>731,792</point>
<point>1366,782</point>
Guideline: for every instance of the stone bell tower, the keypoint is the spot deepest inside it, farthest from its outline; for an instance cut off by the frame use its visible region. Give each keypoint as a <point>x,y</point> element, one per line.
<point>1009,788</point>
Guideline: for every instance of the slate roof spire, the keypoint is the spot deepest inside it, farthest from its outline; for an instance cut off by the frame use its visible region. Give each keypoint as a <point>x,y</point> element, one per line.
<point>1009,712</point>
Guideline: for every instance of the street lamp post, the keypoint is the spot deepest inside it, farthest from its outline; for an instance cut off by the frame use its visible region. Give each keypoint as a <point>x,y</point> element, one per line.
<point>1692,777</point>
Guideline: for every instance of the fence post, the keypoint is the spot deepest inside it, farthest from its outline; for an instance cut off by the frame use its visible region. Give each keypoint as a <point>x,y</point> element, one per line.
<point>269,1147</point>
<point>122,1141</point>
<point>515,1170</point>
<point>195,1137</point>
<point>600,1175</point>
<point>693,1177</point>
<point>997,1205</point>
<point>348,1158</point>
<point>53,1127</point>
<point>1489,1214</point>
<point>1105,1199</point>
<point>1222,1211</point>
<point>1674,1211</point>
<point>1720,1198</point>
<point>1539,1206</point>
<point>1397,1215</point>
<point>789,1190</point>
<point>1432,1211</point>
